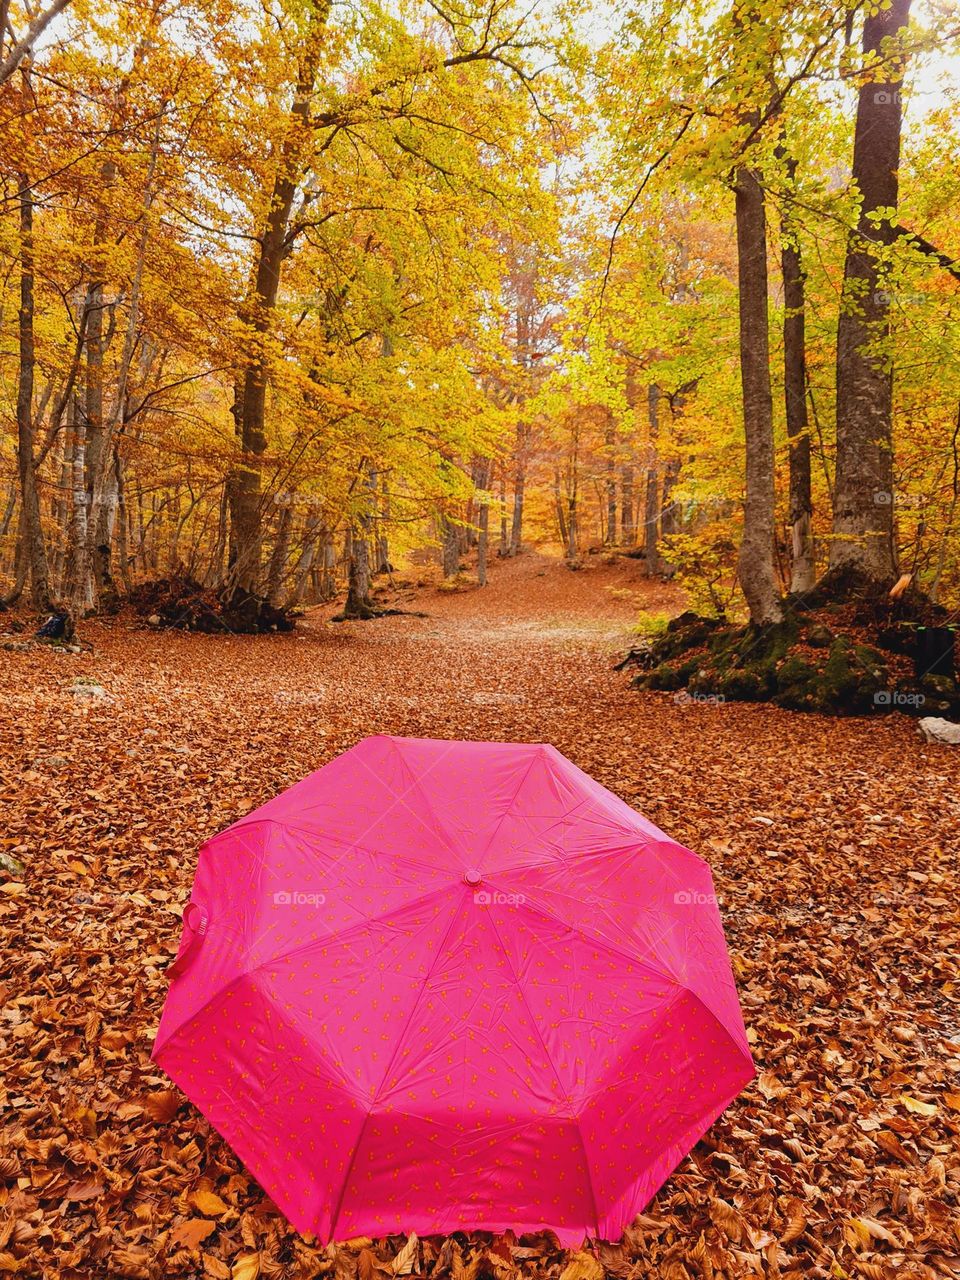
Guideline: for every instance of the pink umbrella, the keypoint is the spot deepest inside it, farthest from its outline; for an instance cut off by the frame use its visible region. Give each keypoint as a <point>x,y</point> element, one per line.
<point>438,986</point>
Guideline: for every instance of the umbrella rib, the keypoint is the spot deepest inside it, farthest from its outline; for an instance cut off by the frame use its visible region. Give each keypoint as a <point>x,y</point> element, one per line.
<point>553,1067</point>
<point>415,781</point>
<point>393,1057</point>
<point>286,955</point>
<point>538,754</point>
<point>643,959</point>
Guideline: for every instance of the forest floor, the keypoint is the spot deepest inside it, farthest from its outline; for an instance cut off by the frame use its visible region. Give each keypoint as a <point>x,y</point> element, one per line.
<point>834,845</point>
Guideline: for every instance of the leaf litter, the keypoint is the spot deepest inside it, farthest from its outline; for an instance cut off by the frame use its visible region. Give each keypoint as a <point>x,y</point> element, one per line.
<point>834,848</point>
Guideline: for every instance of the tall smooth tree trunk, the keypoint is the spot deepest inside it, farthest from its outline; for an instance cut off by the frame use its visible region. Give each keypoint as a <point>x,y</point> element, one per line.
<point>251,388</point>
<point>308,550</point>
<point>504,544</point>
<point>84,574</point>
<point>863,516</point>
<point>450,546</point>
<point>214,574</point>
<point>756,562</point>
<point>628,522</point>
<point>558,506</point>
<point>519,483</point>
<point>278,558</point>
<point>802,563</point>
<point>123,524</point>
<point>62,508</point>
<point>610,478</point>
<point>483,524</point>
<point>651,510</point>
<point>358,603</point>
<point>31,526</point>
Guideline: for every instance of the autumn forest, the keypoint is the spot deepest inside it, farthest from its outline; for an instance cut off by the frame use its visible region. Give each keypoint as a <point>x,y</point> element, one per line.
<point>291,290</point>
<point>479,603</point>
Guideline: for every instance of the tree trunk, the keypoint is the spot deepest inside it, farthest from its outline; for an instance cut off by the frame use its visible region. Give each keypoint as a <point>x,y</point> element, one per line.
<point>802,563</point>
<point>214,575</point>
<point>31,526</point>
<point>483,535</point>
<point>651,512</point>
<point>756,563</point>
<point>863,529</point>
<point>628,525</point>
<point>572,534</point>
<point>450,546</point>
<point>504,545</point>
<point>304,565</point>
<point>278,558</point>
<point>62,509</point>
<point>251,393</point>
<point>610,482</point>
<point>558,505</point>
<point>519,481</point>
<point>358,575</point>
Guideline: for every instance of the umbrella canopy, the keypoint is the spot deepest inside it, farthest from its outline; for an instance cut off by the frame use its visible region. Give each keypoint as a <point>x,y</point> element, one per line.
<point>438,986</point>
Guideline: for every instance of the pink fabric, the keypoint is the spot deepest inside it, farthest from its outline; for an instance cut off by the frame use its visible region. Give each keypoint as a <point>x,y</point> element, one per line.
<point>454,985</point>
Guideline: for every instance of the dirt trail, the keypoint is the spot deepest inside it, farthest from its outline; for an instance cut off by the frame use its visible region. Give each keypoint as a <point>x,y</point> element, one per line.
<point>834,846</point>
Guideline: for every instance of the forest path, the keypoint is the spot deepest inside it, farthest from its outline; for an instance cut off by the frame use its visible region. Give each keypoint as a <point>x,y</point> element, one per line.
<point>833,844</point>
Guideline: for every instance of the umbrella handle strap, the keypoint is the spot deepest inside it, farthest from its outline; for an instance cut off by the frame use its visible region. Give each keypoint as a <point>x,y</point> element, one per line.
<point>195,921</point>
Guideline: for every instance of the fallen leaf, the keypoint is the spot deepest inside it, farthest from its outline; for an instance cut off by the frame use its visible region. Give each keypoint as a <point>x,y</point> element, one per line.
<point>191,1232</point>
<point>582,1266</point>
<point>209,1202</point>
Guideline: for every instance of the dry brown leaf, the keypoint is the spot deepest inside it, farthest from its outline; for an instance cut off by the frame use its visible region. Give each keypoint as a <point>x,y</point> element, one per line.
<point>209,1202</point>
<point>727,1219</point>
<point>246,1267</point>
<point>917,1107</point>
<point>406,1260</point>
<point>796,1220</point>
<point>162,1105</point>
<point>191,1232</point>
<point>215,1267</point>
<point>582,1266</point>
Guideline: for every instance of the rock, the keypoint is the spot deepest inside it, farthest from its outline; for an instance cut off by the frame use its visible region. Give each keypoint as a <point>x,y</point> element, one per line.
<point>936,729</point>
<point>95,691</point>
<point>9,863</point>
<point>153,620</point>
<point>55,762</point>
<point>939,686</point>
<point>819,636</point>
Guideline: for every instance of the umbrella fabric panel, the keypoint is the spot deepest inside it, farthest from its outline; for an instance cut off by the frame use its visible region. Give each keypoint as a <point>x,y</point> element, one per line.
<point>653,902</point>
<point>592,1005</point>
<point>367,797</point>
<point>651,1104</point>
<point>354,994</point>
<point>272,1097</point>
<point>420,1173</point>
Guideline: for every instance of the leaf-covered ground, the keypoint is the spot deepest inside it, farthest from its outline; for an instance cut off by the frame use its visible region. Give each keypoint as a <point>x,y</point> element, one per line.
<point>834,845</point>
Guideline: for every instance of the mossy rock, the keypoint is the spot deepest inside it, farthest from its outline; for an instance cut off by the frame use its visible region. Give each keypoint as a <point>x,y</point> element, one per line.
<point>666,677</point>
<point>853,676</point>
<point>798,685</point>
<point>751,682</point>
<point>818,636</point>
<point>939,686</point>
